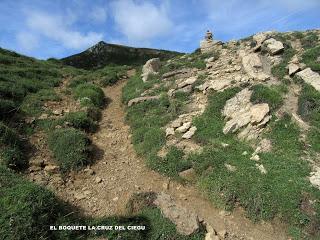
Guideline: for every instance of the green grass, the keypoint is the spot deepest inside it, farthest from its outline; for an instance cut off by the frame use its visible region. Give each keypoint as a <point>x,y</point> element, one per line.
<point>280,70</point>
<point>264,94</point>
<point>311,40</point>
<point>309,109</point>
<point>70,148</point>
<point>80,120</point>
<point>89,94</point>
<point>27,210</point>
<point>310,56</point>
<point>11,150</point>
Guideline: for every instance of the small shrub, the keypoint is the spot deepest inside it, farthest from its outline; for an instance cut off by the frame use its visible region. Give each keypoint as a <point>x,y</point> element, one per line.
<point>7,108</point>
<point>265,94</point>
<point>13,157</point>
<point>311,40</point>
<point>70,148</point>
<point>314,139</point>
<point>89,94</point>
<point>309,105</point>
<point>27,210</point>
<point>310,58</point>
<point>80,120</point>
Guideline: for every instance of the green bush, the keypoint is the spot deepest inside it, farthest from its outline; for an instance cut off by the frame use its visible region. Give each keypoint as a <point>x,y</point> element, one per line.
<point>7,108</point>
<point>70,148</point>
<point>310,57</point>
<point>13,157</point>
<point>280,70</point>
<point>89,94</point>
<point>309,105</point>
<point>80,120</point>
<point>314,139</point>
<point>264,94</point>
<point>27,210</point>
<point>310,40</point>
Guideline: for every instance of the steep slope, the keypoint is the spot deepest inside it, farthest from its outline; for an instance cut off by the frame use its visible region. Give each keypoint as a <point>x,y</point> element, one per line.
<point>103,54</point>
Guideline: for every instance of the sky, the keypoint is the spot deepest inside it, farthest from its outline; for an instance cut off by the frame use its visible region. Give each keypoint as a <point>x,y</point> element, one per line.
<point>60,28</point>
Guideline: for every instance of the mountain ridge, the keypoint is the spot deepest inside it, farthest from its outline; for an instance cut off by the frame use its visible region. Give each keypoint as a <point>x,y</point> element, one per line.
<point>102,54</point>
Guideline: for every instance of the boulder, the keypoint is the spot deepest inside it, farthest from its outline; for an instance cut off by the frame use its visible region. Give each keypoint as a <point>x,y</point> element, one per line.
<point>273,46</point>
<point>187,82</point>
<point>185,127</point>
<point>293,68</point>
<point>209,45</point>
<point>180,72</point>
<point>152,66</point>
<point>169,131</point>
<point>240,112</point>
<point>186,221</point>
<point>188,174</point>
<point>259,38</point>
<point>142,99</point>
<point>190,133</point>
<point>310,77</point>
<point>252,64</point>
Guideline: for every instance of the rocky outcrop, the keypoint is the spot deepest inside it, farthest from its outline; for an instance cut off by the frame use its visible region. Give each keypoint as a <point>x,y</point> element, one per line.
<point>186,221</point>
<point>240,113</point>
<point>209,45</point>
<point>252,64</point>
<point>180,73</point>
<point>152,66</point>
<point>259,38</point>
<point>142,99</point>
<point>273,46</point>
<point>310,77</point>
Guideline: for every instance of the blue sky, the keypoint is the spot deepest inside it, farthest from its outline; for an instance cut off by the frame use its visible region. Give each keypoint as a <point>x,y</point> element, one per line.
<point>59,28</point>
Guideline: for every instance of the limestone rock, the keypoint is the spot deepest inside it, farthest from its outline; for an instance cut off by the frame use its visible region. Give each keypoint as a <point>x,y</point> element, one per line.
<point>240,112</point>
<point>258,112</point>
<point>315,178</point>
<point>185,127</point>
<point>181,72</point>
<point>293,68</point>
<point>186,82</point>
<point>259,38</point>
<point>169,131</point>
<point>142,99</point>
<point>273,46</point>
<point>261,168</point>
<point>310,77</point>
<point>152,66</point>
<point>176,123</point>
<point>51,169</point>
<point>186,221</point>
<point>211,233</point>
<point>190,133</point>
<point>230,168</point>
<point>252,64</point>
<point>188,174</point>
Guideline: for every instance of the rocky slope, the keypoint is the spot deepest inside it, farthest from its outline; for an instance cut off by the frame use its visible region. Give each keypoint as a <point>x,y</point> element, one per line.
<point>103,54</point>
<point>219,144</point>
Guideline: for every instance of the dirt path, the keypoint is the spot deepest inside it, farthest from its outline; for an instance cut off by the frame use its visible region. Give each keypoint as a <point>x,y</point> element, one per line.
<point>105,188</point>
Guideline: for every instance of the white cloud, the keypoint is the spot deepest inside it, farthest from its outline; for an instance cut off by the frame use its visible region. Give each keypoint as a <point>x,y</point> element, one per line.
<point>98,14</point>
<point>141,21</point>
<point>56,27</point>
<point>27,41</point>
